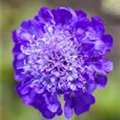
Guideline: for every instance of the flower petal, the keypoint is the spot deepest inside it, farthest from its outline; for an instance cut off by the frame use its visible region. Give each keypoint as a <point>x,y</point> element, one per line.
<point>33,28</point>
<point>101,81</point>
<point>68,110</point>
<point>90,87</point>
<point>46,14</point>
<point>104,67</point>
<point>81,14</point>
<point>63,15</point>
<point>97,24</point>
<point>48,114</point>
<point>82,102</point>
<point>53,103</point>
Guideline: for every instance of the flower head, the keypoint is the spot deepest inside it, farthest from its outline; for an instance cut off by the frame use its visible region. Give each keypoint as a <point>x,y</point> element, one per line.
<point>61,52</point>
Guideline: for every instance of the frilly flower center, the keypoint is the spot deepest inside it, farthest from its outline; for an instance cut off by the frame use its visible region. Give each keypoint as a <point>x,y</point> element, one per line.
<point>54,57</point>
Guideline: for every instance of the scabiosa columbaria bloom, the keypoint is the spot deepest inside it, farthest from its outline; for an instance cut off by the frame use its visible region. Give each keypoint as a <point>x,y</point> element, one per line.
<point>61,53</point>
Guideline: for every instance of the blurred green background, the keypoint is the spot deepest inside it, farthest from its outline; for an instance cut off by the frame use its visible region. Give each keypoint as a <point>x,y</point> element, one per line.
<point>12,13</point>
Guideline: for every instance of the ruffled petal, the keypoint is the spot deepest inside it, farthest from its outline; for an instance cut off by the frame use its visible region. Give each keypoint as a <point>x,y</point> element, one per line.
<point>68,110</point>
<point>14,36</point>
<point>40,103</point>
<point>82,23</point>
<point>81,14</point>
<point>108,43</point>
<point>47,113</point>
<point>90,87</point>
<point>46,14</point>
<point>104,67</point>
<point>59,112</point>
<point>82,102</point>
<point>53,103</point>
<point>98,25</point>
<point>101,81</point>
<point>33,28</point>
<point>108,40</point>
<point>86,48</point>
<point>64,15</point>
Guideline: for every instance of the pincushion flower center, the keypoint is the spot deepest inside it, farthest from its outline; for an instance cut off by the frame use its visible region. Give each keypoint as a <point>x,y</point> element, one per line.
<point>61,60</point>
<point>60,68</point>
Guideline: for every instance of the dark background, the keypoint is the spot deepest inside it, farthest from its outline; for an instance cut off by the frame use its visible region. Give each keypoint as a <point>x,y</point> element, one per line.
<point>13,12</point>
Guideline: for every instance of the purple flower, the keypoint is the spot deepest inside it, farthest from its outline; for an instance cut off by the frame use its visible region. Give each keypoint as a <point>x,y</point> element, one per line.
<point>61,52</point>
